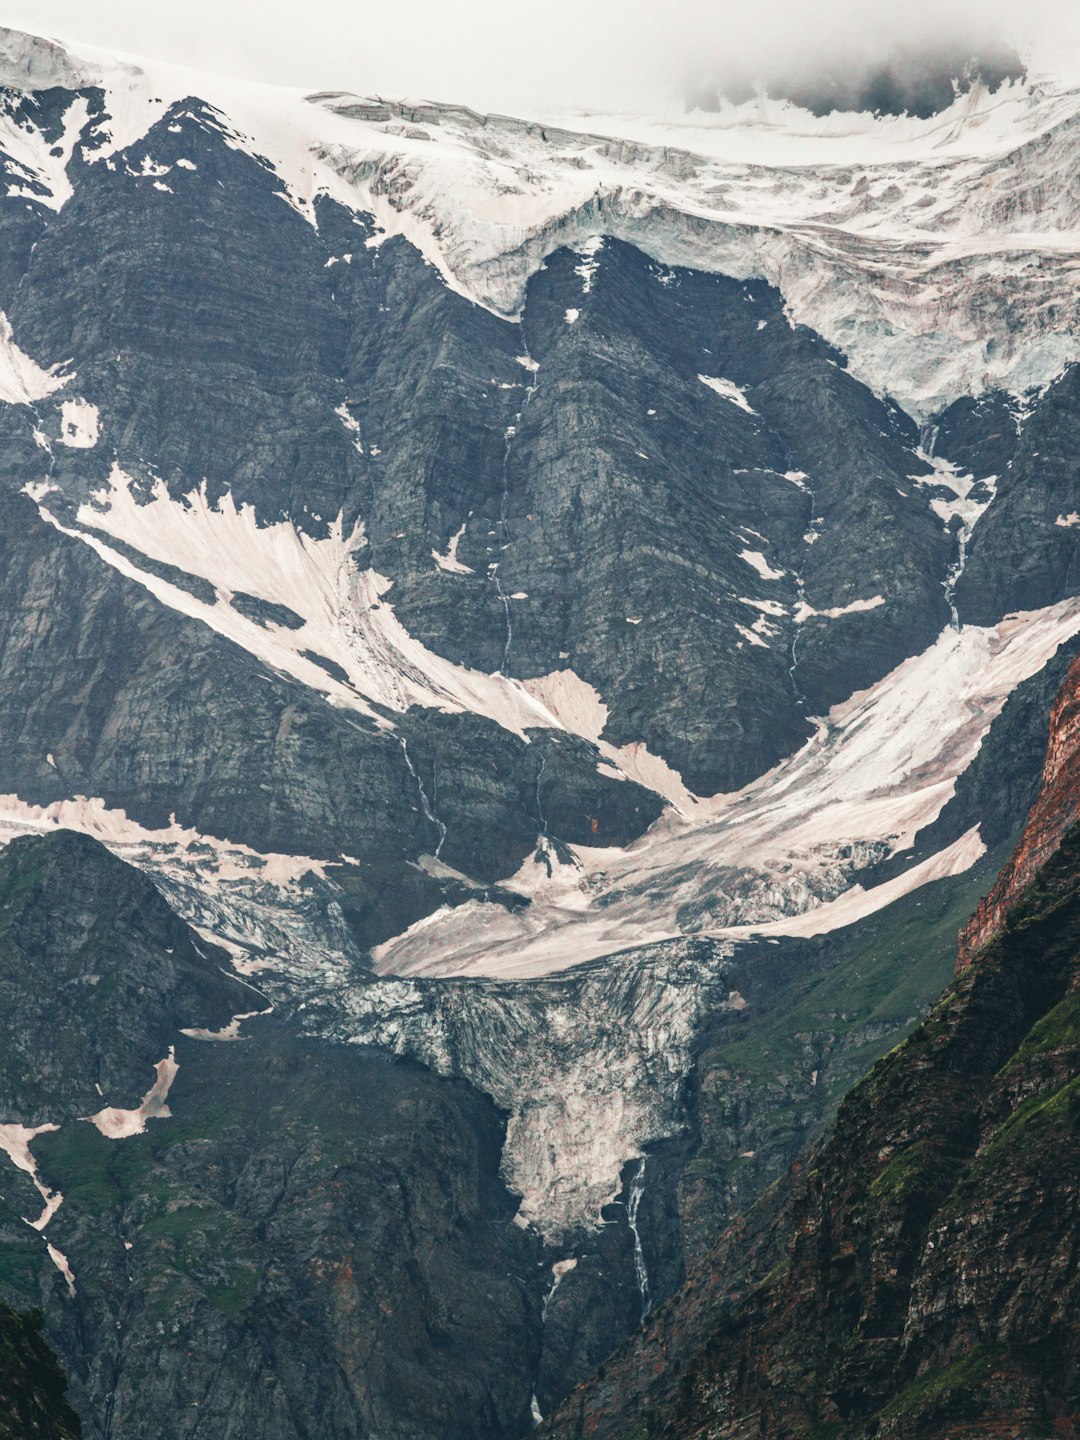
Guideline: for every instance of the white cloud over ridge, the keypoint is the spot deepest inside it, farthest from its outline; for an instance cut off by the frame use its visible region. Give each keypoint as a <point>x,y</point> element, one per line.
<point>627,54</point>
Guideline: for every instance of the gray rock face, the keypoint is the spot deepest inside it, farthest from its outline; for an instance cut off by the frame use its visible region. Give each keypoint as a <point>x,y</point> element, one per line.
<point>618,532</point>
<point>34,1400</point>
<point>1023,553</point>
<point>96,976</point>
<point>326,1250</point>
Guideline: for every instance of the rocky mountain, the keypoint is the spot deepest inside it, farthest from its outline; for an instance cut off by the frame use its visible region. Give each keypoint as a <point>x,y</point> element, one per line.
<point>32,1404</point>
<point>521,641</point>
<point>1052,816</point>
<point>915,1274</point>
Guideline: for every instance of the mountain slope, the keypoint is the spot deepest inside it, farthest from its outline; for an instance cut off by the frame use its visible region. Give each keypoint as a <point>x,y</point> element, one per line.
<point>919,1275</point>
<point>545,604</point>
<point>32,1404</point>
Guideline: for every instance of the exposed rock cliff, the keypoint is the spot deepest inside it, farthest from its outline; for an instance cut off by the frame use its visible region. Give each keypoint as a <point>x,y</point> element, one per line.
<point>32,1401</point>
<point>1055,811</point>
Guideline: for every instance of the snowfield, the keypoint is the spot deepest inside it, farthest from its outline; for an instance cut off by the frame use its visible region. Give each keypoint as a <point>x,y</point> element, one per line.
<point>939,255</point>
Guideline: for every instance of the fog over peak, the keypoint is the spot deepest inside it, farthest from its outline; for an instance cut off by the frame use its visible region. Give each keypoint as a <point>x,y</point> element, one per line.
<point>919,76</point>
<point>592,54</point>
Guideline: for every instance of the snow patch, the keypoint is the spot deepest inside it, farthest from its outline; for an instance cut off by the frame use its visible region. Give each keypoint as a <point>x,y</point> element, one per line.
<point>857,903</point>
<point>756,560</point>
<point>349,420</point>
<point>78,424</point>
<point>575,704</point>
<point>449,562</point>
<point>227,1032</point>
<point>880,767</point>
<point>15,1141</point>
<point>22,380</point>
<point>252,904</point>
<point>60,1260</point>
<point>346,617</point>
<point>43,162</point>
<point>751,636</point>
<point>229,859</point>
<point>804,612</point>
<point>117,1124</point>
<point>728,390</point>
<point>590,261</point>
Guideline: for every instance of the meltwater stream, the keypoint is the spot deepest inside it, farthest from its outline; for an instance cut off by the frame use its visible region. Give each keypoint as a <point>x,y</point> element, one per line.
<point>637,1189</point>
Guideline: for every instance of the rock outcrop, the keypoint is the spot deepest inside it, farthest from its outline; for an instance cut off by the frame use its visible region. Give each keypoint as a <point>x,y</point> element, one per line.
<point>1056,810</point>
<point>97,975</point>
<point>32,1400</point>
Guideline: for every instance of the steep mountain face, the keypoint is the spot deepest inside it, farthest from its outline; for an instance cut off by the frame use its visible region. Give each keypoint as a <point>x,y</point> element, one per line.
<point>1052,816</point>
<point>561,610</point>
<point>91,1000</point>
<point>325,1216</point>
<point>915,1274</point>
<point>32,1402</point>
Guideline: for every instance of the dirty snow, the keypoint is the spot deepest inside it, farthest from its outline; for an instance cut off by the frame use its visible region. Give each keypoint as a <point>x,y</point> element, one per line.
<point>880,767</point>
<point>803,611</point>
<point>728,390</point>
<point>757,561</point>
<point>15,1141</point>
<point>449,562</point>
<point>117,1124</point>
<point>22,381</point>
<point>60,1260</point>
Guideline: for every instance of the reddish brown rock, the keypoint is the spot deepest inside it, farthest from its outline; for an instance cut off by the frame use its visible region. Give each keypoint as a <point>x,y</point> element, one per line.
<point>1055,810</point>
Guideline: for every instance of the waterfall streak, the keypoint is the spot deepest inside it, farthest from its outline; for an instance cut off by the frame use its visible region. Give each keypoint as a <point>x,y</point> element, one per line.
<point>531,368</point>
<point>637,1189</point>
<point>425,805</point>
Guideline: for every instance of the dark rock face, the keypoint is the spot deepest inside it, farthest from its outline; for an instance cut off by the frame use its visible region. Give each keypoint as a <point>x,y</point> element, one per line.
<point>317,1235</point>
<point>912,1276</point>
<point>1020,556</point>
<point>615,524</point>
<point>317,1242</point>
<point>96,975</point>
<point>33,1405</point>
<point>670,484</point>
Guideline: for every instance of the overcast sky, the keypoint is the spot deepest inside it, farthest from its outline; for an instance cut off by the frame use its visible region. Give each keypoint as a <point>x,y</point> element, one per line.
<point>504,54</point>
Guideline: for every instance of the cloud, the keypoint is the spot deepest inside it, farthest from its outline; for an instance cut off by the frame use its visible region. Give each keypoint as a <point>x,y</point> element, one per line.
<point>504,54</point>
